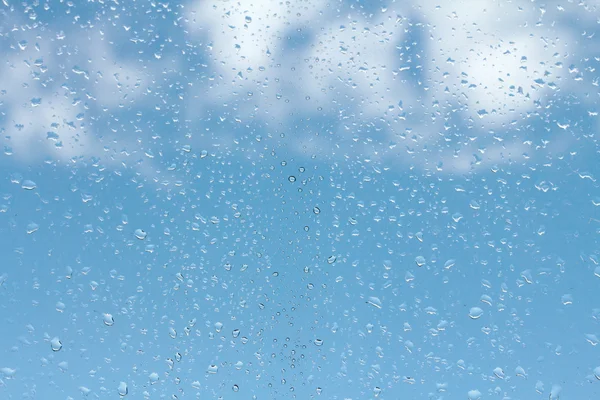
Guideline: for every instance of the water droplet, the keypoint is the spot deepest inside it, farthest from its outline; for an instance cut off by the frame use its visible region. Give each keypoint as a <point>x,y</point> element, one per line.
<point>153,378</point>
<point>499,372</point>
<point>449,264</point>
<point>567,299</point>
<point>32,227</point>
<point>122,389</point>
<point>474,395</point>
<point>420,260</point>
<point>8,372</point>
<point>475,312</point>
<point>591,338</point>
<point>519,371</point>
<point>212,369</point>
<point>235,333</point>
<point>331,259</point>
<point>108,319</point>
<point>218,327</point>
<point>28,185</point>
<point>292,178</point>
<point>172,332</point>
<point>374,301</point>
<point>376,391</point>
<point>457,217</point>
<point>318,342</point>
<point>597,373</point>
<point>474,205</point>
<point>555,392</point>
<point>235,388</point>
<point>55,344</point>
<point>317,210</point>
<point>140,234</point>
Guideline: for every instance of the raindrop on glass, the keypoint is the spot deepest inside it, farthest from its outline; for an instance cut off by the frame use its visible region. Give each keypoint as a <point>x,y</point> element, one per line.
<point>475,312</point>
<point>108,319</point>
<point>28,185</point>
<point>56,344</point>
<point>122,389</point>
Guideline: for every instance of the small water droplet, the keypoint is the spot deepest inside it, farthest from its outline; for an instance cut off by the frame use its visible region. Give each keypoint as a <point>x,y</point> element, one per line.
<point>374,301</point>
<point>317,210</point>
<point>108,319</point>
<point>474,395</point>
<point>235,388</point>
<point>28,185</point>
<point>140,234</point>
<point>235,333</point>
<point>212,369</point>
<point>153,378</point>
<point>499,372</point>
<point>122,389</point>
<point>292,178</point>
<point>457,217</point>
<point>218,327</point>
<point>449,264</point>
<point>331,259</point>
<point>32,227</point>
<point>475,313</point>
<point>420,260</point>
<point>318,342</point>
<point>172,332</point>
<point>55,344</point>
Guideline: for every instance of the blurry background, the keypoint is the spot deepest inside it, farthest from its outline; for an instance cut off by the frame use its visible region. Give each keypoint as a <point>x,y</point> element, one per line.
<point>266,199</point>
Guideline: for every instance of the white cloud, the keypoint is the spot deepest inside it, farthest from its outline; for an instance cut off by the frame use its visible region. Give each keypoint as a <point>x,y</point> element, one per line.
<point>492,61</point>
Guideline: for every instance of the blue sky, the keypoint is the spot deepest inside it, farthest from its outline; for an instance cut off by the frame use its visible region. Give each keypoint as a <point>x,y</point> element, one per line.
<point>347,200</point>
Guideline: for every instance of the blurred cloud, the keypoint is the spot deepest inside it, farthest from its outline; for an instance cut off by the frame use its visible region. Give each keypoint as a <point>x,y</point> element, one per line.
<point>424,79</point>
